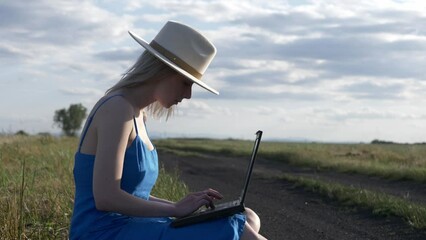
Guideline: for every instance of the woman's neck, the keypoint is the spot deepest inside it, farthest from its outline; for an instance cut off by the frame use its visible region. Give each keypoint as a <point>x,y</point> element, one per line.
<point>139,97</point>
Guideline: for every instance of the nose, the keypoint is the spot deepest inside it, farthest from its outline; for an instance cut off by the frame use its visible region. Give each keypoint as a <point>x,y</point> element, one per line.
<point>188,92</point>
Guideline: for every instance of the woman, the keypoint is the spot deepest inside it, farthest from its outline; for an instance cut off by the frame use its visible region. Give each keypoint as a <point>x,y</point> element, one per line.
<point>116,164</point>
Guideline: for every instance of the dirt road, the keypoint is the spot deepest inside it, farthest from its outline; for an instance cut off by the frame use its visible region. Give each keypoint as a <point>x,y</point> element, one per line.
<point>288,212</point>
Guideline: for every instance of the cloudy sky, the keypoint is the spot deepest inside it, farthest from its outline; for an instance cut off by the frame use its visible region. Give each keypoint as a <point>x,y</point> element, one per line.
<point>326,70</point>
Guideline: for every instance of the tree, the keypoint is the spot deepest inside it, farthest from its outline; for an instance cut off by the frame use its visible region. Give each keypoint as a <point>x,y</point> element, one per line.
<point>70,119</point>
<point>21,133</point>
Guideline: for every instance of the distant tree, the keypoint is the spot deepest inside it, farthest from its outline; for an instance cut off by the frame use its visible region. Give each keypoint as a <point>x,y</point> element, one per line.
<point>70,119</point>
<point>377,141</point>
<point>21,133</point>
<point>44,134</point>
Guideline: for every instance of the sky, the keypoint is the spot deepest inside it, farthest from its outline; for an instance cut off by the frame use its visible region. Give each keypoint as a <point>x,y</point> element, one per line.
<point>326,70</point>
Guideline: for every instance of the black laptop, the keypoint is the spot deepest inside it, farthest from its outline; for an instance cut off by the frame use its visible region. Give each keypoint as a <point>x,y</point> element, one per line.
<point>223,209</point>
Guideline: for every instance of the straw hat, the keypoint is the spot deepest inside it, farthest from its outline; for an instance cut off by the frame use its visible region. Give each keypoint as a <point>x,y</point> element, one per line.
<point>182,48</point>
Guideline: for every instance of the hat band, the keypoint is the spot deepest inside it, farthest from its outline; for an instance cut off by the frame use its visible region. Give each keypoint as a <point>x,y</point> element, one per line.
<point>175,59</point>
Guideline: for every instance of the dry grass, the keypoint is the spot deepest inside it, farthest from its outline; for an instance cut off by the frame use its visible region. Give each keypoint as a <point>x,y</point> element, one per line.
<point>380,204</point>
<point>37,188</point>
<point>394,161</point>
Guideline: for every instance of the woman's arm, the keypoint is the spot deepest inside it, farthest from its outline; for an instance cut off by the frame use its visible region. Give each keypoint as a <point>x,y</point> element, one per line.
<point>114,124</point>
<point>156,199</point>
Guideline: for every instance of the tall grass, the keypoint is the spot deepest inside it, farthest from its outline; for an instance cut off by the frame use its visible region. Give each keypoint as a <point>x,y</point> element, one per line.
<point>390,161</point>
<point>168,186</point>
<point>37,188</point>
<point>395,161</point>
<point>378,203</point>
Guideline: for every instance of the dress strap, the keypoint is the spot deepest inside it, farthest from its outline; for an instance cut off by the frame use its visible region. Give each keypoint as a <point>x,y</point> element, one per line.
<point>136,126</point>
<point>91,119</point>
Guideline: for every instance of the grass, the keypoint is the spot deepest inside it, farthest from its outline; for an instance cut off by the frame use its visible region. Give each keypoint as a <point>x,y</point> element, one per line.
<point>168,186</point>
<point>379,203</point>
<point>37,188</point>
<point>392,161</point>
<point>36,185</point>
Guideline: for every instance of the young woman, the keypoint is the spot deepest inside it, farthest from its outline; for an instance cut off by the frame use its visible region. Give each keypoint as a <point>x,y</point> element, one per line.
<point>116,164</point>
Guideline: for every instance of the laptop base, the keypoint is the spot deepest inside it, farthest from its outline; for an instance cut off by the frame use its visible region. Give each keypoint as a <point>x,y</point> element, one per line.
<point>225,209</point>
<point>220,213</point>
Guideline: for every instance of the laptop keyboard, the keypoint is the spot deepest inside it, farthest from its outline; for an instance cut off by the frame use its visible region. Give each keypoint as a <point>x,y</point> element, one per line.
<point>219,206</point>
<point>227,204</point>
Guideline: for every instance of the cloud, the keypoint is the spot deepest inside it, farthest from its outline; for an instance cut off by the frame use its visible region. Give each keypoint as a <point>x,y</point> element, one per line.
<point>271,54</point>
<point>224,11</point>
<point>116,55</point>
<point>82,91</point>
<point>44,29</point>
<point>355,45</point>
<point>288,42</point>
<point>199,109</point>
<point>365,113</point>
<point>369,90</point>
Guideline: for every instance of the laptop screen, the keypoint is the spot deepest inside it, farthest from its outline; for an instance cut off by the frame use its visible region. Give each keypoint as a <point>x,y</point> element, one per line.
<point>250,166</point>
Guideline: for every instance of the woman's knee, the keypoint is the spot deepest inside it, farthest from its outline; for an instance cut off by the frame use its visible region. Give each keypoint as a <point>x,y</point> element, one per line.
<point>250,234</point>
<point>252,219</point>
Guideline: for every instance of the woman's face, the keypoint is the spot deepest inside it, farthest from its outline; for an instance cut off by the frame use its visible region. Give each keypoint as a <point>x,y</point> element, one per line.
<point>173,90</point>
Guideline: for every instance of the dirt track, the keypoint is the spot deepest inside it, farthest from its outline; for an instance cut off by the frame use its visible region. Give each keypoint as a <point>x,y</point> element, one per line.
<point>292,213</point>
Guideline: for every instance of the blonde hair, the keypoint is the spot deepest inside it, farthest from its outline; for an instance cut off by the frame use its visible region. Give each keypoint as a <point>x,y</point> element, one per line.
<point>147,67</point>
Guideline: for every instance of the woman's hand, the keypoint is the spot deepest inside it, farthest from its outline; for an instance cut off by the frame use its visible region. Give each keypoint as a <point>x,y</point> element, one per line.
<point>194,201</point>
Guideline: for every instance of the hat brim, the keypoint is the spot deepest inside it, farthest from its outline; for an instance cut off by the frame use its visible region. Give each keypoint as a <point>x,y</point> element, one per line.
<point>154,52</point>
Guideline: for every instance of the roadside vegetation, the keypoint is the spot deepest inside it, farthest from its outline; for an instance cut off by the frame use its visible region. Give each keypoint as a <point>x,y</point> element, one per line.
<point>386,160</point>
<point>37,189</point>
<point>391,161</point>
<point>378,203</point>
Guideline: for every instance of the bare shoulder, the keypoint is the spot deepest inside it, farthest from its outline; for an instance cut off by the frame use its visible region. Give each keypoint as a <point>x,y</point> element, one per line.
<point>116,109</point>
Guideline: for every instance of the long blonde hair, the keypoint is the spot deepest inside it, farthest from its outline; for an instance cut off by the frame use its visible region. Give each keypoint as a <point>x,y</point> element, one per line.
<point>145,68</point>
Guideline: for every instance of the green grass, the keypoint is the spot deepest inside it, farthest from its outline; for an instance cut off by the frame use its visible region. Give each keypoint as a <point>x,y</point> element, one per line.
<point>37,189</point>
<point>379,203</point>
<point>168,186</point>
<point>37,186</point>
<point>393,161</point>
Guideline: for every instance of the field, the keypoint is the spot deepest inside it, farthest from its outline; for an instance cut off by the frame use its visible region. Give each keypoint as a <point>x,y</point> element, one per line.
<point>383,178</point>
<point>393,161</point>
<point>37,185</point>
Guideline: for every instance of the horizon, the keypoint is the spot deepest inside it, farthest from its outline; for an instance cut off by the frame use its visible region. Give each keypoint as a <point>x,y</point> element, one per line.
<point>157,136</point>
<point>330,71</point>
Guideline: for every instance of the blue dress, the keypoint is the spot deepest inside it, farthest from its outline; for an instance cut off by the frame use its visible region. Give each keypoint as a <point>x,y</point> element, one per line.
<point>140,171</point>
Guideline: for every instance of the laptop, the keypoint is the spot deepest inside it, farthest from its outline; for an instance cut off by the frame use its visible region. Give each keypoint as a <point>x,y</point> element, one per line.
<point>223,209</point>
